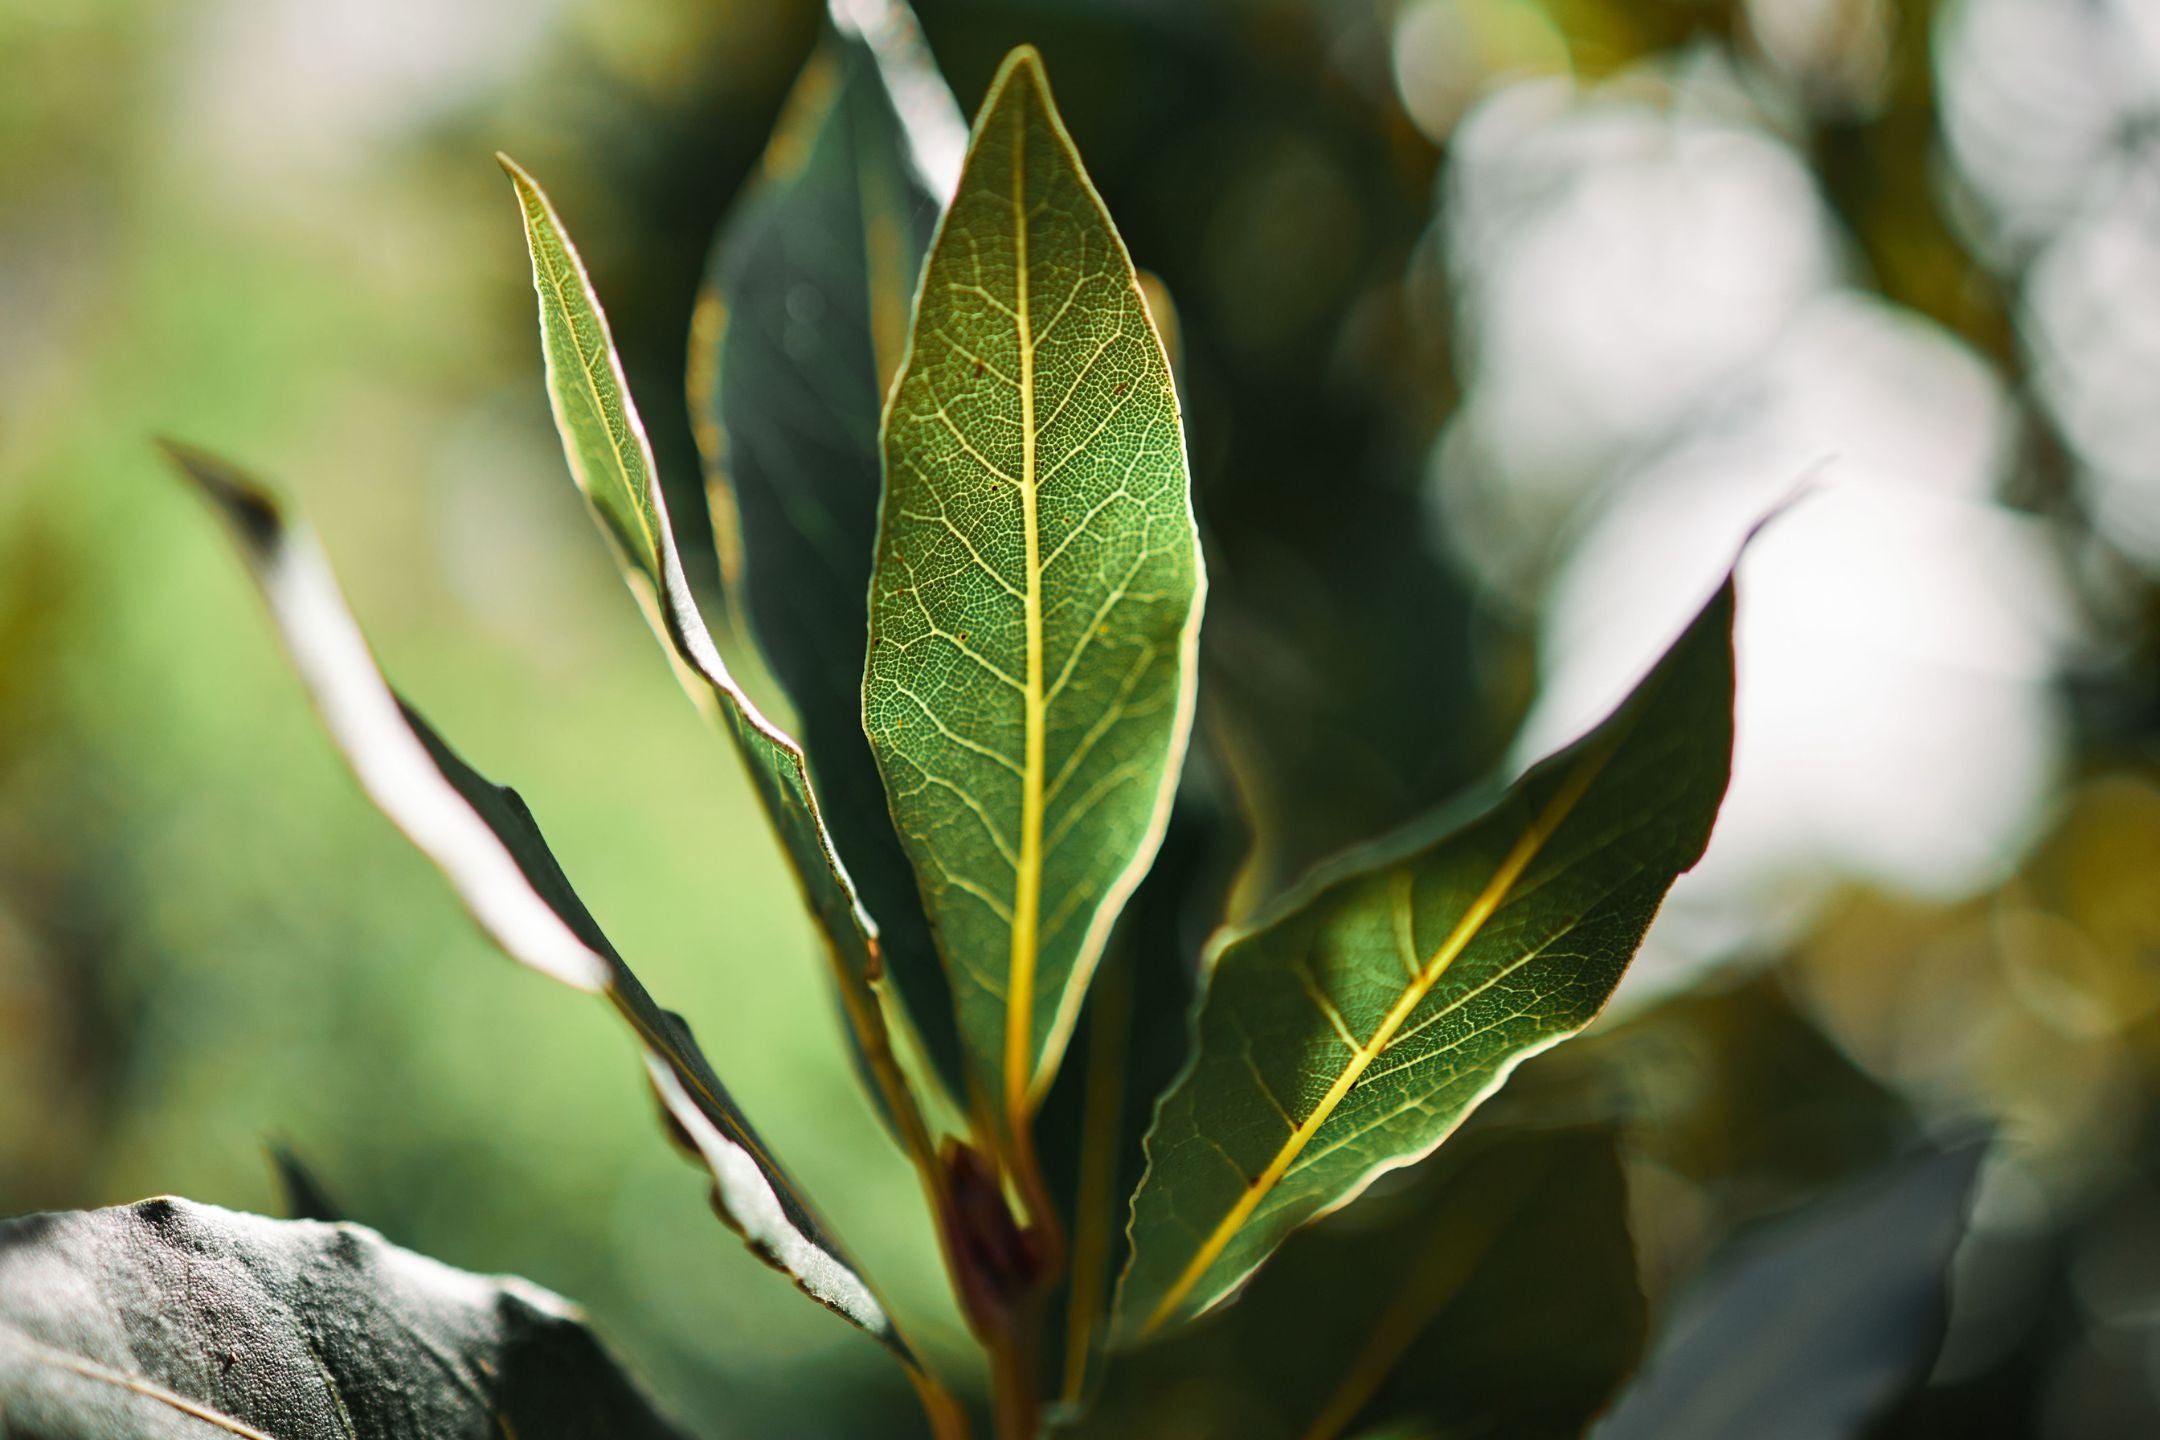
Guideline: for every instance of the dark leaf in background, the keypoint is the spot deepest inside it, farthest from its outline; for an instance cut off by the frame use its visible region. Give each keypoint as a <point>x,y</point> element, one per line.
<point>301,1191</point>
<point>798,334</point>
<point>1810,1328</point>
<point>1132,1040</point>
<point>169,1320</point>
<point>1353,1026</point>
<point>1492,1292</point>
<point>486,843</point>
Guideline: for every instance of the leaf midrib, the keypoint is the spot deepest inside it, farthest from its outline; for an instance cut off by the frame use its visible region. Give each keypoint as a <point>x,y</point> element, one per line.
<point>1027,881</point>
<point>1466,928</point>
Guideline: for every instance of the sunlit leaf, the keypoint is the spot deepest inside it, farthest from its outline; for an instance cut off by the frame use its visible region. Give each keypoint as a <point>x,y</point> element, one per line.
<point>605,444</point>
<point>488,846</point>
<point>1810,1329</point>
<point>169,1320</point>
<point>1034,611</point>
<point>1494,1294</point>
<point>797,337</point>
<point>1350,1029</point>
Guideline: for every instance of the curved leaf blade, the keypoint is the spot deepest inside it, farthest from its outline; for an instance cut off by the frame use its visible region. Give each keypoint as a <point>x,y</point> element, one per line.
<point>486,843</point>
<point>169,1320</point>
<point>1350,1030</point>
<point>797,336</point>
<point>1034,608</point>
<point>609,456</point>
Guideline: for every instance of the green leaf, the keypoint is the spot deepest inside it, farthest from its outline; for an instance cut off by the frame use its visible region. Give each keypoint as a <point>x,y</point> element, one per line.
<point>1741,1357</point>
<point>169,1320</point>
<point>797,337</point>
<point>605,444</point>
<point>1494,1294</point>
<point>488,846</point>
<point>1035,604</point>
<point>1348,1031</point>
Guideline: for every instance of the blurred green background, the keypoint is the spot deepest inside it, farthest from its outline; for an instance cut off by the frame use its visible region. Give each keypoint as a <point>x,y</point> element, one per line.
<point>1501,320</point>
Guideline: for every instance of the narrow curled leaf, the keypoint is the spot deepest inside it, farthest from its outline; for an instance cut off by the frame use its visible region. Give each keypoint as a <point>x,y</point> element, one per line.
<point>169,1320</point>
<point>1035,602</point>
<point>1810,1329</point>
<point>1353,1027</point>
<point>797,336</point>
<point>1494,1294</point>
<point>487,845</point>
<point>612,461</point>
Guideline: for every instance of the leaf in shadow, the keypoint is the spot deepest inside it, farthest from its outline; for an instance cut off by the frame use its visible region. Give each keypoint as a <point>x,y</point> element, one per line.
<point>301,1189</point>
<point>797,336</point>
<point>1811,1327</point>
<point>1493,1293</point>
<point>169,1320</point>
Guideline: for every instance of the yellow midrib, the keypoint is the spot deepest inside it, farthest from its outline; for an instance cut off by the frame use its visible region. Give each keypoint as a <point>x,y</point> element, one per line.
<point>557,281</point>
<point>1027,883</point>
<point>1465,930</point>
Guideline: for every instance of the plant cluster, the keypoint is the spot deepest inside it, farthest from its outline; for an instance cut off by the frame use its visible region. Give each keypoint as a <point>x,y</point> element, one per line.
<point>958,524</point>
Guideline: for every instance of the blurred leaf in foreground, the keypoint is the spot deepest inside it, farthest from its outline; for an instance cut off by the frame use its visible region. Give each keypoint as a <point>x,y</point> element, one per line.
<point>169,1320</point>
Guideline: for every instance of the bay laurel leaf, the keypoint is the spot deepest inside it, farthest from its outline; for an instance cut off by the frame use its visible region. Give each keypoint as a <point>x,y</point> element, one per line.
<point>1355,1024</point>
<point>1034,608</point>
<point>488,846</point>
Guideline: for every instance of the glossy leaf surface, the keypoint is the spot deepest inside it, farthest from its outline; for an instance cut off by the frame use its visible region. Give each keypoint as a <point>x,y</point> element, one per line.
<point>486,843</point>
<point>1811,1328</point>
<point>1350,1029</point>
<point>169,1320</point>
<point>1494,1293</point>
<point>1034,606</point>
<point>797,337</point>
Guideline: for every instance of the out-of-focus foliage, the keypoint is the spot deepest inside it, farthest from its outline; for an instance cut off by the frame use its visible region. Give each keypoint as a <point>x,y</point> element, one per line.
<point>1486,306</point>
<point>172,1319</point>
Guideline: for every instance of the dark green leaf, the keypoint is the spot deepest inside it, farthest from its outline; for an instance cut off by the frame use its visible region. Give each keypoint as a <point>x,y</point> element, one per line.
<point>303,1193</point>
<point>169,1320</point>
<point>487,845</point>
<point>1350,1029</point>
<point>1494,1294</point>
<point>1811,1329</point>
<point>1035,602</point>
<point>797,337</point>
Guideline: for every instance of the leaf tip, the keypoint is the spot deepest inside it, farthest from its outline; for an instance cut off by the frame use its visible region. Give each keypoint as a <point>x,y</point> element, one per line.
<point>244,502</point>
<point>1022,60</point>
